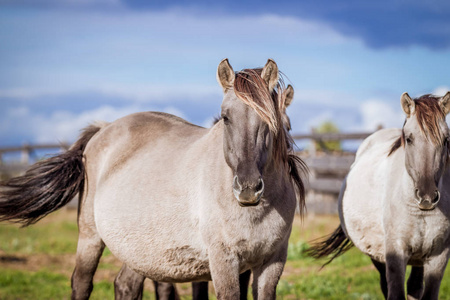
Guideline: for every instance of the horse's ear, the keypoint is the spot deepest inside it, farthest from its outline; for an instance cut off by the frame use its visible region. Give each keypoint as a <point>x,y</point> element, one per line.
<point>225,74</point>
<point>270,74</point>
<point>445,103</point>
<point>289,95</point>
<point>408,104</point>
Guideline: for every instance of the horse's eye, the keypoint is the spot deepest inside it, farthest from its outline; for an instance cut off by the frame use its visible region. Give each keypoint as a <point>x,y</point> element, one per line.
<point>225,119</point>
<point>409,141</point>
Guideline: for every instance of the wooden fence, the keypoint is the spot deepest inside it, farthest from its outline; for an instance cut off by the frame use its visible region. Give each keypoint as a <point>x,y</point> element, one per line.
<point>327,169</point>
<point>14,167</point>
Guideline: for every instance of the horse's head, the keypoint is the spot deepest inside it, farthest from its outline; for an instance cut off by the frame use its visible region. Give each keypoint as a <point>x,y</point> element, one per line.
<point>425,138</point>
<point>253,125</point>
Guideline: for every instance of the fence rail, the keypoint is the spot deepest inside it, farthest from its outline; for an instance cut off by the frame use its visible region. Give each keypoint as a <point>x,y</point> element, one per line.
<point>15,167</point>
<point>326,137</point>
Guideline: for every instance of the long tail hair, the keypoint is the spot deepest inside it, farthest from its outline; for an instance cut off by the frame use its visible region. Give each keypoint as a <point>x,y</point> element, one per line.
<point>47,185</point>
<point>335,244</point>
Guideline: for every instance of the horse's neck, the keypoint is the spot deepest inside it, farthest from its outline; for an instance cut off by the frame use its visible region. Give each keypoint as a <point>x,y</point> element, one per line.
<point>211,153</point>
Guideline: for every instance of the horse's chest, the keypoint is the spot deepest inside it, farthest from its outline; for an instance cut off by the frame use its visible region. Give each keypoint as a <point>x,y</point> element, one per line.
<point>252,246</point>
<point>427,236</point>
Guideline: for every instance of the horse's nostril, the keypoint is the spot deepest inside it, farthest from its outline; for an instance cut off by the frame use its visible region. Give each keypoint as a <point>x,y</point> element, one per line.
<point>417,194</point>
<point>236,185</point>
<point>260,185</point>
<point>436,197</point>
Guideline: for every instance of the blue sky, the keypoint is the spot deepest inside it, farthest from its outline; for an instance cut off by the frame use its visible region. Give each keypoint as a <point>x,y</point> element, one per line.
<point>65,63</point>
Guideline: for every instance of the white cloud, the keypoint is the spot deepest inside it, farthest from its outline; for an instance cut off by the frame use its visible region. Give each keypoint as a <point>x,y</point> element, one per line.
<point>131,52</point>
<point>161,92</point>
<point>376,112</point>
<point>144,93</point>
<point>441,91</point>
<point>65,125</point>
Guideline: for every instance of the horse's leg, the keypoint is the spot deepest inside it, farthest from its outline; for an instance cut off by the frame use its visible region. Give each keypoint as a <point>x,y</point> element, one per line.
<point>224,268</point>
<point>128,284</point>
<point>89,250</point>
<point>244,280</point>
<point>415,283</point>
<point>395,274</point>
<point>200,290</point>
<point>266,276</point>
<point>381,267</point>
<point>165,291</point>
<point>433,273</point>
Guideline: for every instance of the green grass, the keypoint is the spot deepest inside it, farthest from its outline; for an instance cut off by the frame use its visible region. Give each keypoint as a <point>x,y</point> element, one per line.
<point>49,238</point>
<point>45,285</point>
<point>51,245</point>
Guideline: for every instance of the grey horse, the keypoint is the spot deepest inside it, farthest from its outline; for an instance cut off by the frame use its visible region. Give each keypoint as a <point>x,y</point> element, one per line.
<point>131,283</point>
<point>177,202</point>
<point>395,203</point>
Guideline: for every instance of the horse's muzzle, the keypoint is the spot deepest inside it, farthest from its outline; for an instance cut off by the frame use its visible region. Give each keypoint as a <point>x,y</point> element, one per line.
<point>248,195</point>
<point>427,202</point>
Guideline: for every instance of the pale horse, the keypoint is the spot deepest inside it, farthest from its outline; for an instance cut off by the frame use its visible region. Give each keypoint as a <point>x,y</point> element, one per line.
<point>395,204</point>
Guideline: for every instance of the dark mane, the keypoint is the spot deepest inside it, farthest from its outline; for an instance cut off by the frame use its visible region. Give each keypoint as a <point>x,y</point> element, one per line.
<point>253,91</point>
<point>400,142</point>
<point>216,119</point>
<point>428,113</point>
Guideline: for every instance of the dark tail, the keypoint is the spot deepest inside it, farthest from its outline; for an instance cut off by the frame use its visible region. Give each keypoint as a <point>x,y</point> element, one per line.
<point>335,244</point>
<point>47,185</point>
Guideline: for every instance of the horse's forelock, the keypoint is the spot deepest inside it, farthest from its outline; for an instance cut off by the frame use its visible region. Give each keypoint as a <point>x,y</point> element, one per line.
<point>253,91</point>
<point>429,116</point>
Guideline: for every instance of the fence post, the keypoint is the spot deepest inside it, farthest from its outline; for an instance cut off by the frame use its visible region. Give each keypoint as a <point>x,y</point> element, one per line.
<point>313,145</point>
<point>25,154</point>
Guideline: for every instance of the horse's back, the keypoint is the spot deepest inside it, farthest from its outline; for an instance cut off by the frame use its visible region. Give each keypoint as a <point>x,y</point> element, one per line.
<point>140,134</point>
<point>379,140</point>
<point>140,179</point>
<point>362,205</point>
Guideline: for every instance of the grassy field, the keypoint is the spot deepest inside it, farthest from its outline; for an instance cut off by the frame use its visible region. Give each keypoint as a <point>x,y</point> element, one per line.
<point>36,263</point>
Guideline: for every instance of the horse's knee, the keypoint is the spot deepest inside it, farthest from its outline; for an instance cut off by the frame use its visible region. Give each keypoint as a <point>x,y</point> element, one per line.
<point>89,251</point>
